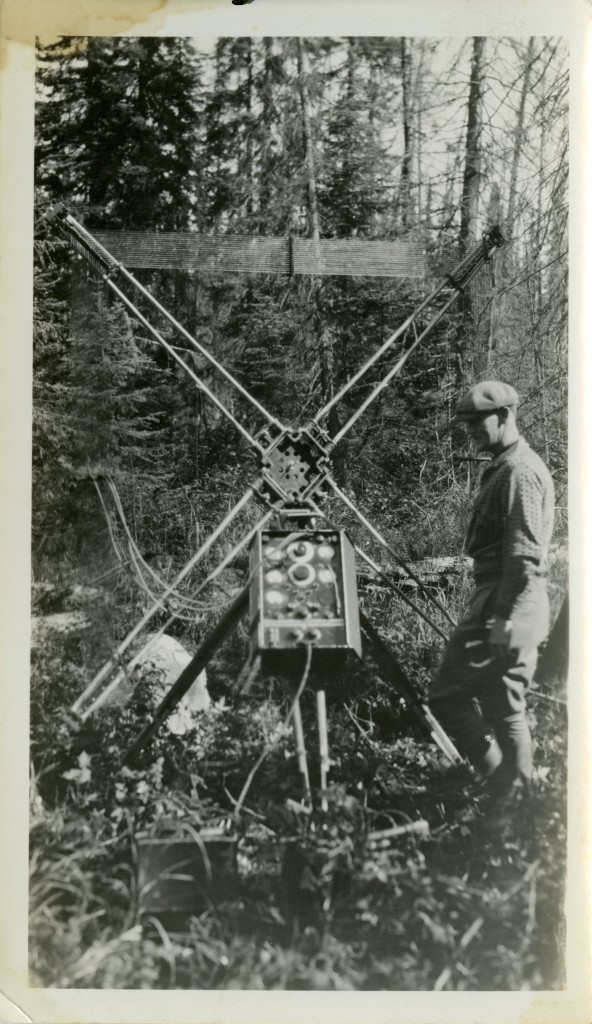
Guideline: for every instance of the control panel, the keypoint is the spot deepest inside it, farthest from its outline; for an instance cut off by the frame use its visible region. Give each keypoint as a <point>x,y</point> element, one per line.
<point>303,591</point>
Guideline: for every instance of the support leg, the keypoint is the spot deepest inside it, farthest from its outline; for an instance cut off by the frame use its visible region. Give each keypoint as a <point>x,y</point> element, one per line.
<point>80,706</point>
<point>392,672</point>
<point>301,750</point>
<point>323,745</point>
<point>190,673</point>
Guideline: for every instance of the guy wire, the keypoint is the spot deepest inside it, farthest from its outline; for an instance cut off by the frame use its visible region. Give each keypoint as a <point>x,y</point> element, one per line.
<point>186,601</point>
<point>114,541</point>
<point>160,603</point>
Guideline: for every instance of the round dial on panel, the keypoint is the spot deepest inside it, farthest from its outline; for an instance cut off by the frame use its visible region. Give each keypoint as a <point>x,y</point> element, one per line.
<point>275,598</point>
<point>301,550</point>
<point>302,574</point>
<point>273,554</point>
<point>325,575</point>
<point>326,552</point>
<point>275,576</point>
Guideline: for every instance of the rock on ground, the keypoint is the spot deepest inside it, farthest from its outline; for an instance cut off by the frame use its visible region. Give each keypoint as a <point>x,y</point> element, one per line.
<point>165,659</point>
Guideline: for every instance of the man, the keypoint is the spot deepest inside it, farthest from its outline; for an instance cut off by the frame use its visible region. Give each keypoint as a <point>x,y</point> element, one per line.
<point>492,653</point>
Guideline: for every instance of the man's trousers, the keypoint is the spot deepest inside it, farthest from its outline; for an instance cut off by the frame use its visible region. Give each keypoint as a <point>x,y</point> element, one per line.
<point>479,697</point>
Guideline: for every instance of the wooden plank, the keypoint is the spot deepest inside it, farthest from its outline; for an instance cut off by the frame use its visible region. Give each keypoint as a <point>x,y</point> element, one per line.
<point>358,258</point>
<point>249,254</point>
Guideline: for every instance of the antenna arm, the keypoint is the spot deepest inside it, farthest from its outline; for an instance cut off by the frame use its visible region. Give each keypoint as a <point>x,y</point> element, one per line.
<point>457,279</point>
<point>90,247</point>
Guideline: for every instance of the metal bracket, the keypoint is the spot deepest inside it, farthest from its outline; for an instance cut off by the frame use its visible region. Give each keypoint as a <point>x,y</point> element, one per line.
<point>294,466</point>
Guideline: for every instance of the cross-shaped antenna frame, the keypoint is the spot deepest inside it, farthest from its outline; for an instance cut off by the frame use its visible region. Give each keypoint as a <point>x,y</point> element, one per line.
<point>293,472</point>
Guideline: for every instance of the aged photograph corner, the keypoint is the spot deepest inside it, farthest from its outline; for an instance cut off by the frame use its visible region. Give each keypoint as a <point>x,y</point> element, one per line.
<point>298,702</point>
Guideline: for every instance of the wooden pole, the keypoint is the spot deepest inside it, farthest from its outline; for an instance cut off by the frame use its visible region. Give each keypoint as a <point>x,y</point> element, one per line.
<point>301,749</point>
<point>323,745</point>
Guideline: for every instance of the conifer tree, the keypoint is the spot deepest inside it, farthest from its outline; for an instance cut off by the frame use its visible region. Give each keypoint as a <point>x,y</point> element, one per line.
<point>117,126</point>
<point>127,147</point>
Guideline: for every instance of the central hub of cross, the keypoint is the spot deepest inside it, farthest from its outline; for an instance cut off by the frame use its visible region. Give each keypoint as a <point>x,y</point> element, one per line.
<point>294,464</point>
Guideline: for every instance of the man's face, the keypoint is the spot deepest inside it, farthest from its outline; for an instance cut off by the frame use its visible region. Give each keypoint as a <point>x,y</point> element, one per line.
<point>484,430</point>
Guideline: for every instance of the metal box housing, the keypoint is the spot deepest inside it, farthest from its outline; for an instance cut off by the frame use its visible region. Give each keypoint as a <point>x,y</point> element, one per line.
<point>303,591</point>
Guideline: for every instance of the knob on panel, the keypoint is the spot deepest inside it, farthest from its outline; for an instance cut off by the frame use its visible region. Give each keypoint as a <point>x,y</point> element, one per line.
<point>274,576</point>
<point>301,573</point>
<point>300,550</point>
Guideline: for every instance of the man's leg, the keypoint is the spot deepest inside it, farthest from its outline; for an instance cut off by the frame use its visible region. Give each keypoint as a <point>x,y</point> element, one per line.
<point>465,725</point>
<point>504,706</point>
<point>467,665</point>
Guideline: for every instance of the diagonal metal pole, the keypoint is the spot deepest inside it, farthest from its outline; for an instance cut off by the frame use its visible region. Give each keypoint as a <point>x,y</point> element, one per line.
<point>190,673</point>
<point>459,277</point>
<point>70,225</point>
<point>392,672</point>
<point>392,586</point>
<point>385,544</point>
<point>173,352</point>
<point>113,661</point>
<point>123,673</point>
<point>392,372</point>
<point>376,356</point>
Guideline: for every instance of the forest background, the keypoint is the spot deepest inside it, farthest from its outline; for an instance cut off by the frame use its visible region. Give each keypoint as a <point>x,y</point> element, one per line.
<point>359,138</point>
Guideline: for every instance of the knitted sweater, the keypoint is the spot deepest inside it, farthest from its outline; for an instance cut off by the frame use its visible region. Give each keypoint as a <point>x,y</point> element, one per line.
<point>511,525</point>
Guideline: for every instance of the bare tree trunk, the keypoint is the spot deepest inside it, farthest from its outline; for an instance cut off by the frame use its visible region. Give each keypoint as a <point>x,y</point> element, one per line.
<point>469,205</point>
<point>311,184</point>
<point>537,227</point>
<point>490,310</point>
<point>418,94</point>
<point>472,173</point>
<point>250,171</point>
<point>537,241</point>
<point>519,137</point>
<point>404,196</point>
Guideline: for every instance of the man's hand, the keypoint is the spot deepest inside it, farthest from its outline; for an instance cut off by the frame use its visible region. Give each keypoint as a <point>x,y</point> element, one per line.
<point>500,633</point>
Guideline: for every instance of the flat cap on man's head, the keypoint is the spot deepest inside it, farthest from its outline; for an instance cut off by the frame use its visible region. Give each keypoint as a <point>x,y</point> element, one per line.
<point>485,397</point>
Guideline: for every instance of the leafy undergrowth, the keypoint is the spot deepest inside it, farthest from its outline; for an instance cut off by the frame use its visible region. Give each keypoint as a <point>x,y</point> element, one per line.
<point>473,903</point>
